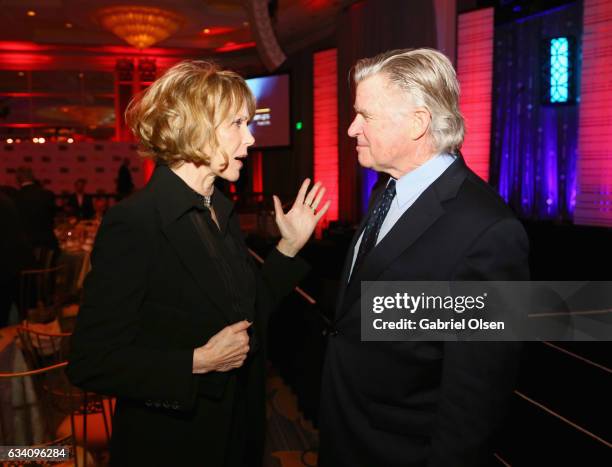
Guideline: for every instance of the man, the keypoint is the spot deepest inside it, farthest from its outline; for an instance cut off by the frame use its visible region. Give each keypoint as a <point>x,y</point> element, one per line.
<point>79,203</point>
<point>36,207</point>
<point>14,251</point>
<point>125,185</point>
<point>432,404</point>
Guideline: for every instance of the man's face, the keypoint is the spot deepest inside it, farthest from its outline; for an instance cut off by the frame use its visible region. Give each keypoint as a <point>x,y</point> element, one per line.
<point>381,127</point>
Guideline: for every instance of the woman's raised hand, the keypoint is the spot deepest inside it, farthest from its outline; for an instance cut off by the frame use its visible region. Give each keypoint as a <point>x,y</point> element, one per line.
<point>297,225</point>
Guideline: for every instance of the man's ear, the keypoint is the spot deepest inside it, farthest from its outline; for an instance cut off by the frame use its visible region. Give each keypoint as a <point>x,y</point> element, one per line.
<point>419,123</point>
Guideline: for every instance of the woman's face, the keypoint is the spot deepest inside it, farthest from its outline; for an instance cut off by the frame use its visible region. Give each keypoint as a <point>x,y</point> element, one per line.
<point>234,138</point>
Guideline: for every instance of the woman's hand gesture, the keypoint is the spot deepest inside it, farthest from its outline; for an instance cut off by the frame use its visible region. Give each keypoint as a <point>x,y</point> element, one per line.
<point>297,225</point>
<point>224,351</point>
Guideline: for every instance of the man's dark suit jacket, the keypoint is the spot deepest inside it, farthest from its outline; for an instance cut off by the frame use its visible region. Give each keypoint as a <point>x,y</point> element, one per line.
<point>84,210</point>
<point>152,297</point>
<point>15,254</point>
<point>36,207</point>
<point>429,404</point>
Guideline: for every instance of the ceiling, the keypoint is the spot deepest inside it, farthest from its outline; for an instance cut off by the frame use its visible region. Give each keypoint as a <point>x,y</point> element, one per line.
<point>70,22</point>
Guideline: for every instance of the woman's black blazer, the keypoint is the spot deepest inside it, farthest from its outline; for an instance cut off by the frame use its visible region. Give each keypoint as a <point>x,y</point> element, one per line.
<point>151,298</point>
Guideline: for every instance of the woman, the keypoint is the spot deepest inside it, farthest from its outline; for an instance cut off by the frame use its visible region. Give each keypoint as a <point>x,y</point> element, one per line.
<point>174,315</point>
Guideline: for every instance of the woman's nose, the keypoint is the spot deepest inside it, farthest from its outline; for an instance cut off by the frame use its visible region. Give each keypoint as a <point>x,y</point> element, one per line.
<point>249,140</point>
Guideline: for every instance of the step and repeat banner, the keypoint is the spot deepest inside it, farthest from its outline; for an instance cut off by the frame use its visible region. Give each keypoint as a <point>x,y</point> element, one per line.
<point>58,165</point>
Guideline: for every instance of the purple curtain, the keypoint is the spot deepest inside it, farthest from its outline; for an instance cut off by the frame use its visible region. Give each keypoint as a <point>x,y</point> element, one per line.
<point>533,162</point>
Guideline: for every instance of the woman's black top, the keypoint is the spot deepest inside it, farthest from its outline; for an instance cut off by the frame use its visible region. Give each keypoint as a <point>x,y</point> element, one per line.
<point>238,277</point>
<point>164,280</point>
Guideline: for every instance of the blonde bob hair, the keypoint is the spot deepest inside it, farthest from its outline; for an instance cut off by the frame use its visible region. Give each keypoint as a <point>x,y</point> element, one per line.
<point>429,78</point>
<point>177,117</point>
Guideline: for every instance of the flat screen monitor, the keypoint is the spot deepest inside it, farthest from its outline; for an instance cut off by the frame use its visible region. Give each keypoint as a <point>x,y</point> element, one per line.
<point>270,125</point>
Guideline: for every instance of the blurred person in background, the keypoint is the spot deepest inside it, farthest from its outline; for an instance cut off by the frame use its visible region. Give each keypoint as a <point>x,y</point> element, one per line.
<point>125,185</point>
<point>79,203</point>
<point>36,207</point>
<point>15,254</point>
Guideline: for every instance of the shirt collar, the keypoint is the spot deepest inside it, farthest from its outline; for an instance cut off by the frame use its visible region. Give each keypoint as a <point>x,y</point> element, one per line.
<point>416,181</point>
<point>176,197</point>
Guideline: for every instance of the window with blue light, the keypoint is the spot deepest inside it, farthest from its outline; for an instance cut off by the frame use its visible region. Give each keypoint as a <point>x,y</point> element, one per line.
<point>558,76</point>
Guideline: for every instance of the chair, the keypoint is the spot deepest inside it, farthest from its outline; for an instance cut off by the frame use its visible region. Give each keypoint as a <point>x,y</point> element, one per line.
<point>42,345</point>
<point>41,293</point>
<point>44,256</point>
<point>90,420</point>
<point>77,264</point>
<point>35,417</point>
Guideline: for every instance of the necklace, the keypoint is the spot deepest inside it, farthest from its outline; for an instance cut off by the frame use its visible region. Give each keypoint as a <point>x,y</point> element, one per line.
<point>206,200</point>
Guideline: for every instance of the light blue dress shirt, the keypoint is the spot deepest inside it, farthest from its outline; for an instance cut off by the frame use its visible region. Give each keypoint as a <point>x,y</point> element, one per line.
<point>407,190</point>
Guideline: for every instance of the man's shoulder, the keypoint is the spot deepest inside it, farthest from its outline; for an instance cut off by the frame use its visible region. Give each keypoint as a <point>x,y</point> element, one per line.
<point>477,207</point>
<point>34,192</point>
<point>477,196</point>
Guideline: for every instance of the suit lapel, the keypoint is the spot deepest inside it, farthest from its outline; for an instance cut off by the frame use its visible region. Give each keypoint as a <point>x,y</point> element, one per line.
<point>184,238</point>
<point>425,211</point>
<point>348,262</point>
<point>174,201</point>
<point>413,223</point>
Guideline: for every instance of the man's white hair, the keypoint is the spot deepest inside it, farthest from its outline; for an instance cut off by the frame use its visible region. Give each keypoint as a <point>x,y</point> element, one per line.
<point>429,78</point>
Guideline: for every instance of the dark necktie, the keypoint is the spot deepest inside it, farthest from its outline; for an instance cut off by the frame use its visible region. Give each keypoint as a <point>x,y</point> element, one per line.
<point>375,221</point>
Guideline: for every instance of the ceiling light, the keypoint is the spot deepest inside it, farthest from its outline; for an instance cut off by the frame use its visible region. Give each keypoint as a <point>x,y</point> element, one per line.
<point>206,31</point>
<point>69,25</point>
<point>31,13</point>
<point>139,26</point>
<point>70,140</point>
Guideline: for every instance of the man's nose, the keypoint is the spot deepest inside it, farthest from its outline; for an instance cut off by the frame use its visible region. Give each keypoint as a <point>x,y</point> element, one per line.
<point>354,128</point>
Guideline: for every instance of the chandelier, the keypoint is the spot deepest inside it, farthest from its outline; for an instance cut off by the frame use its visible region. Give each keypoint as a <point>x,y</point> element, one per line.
<point>139,26</point>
